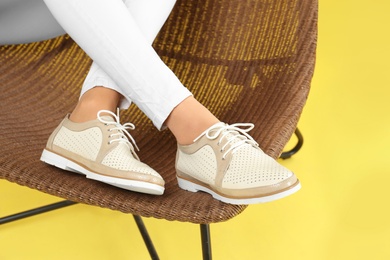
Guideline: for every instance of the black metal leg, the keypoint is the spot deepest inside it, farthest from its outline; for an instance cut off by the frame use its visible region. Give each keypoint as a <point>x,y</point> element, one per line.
<point>204,228</point>
<point>146,237</point>
<point>206,241</point>
<point>36,211</point>
<point>297,147</point>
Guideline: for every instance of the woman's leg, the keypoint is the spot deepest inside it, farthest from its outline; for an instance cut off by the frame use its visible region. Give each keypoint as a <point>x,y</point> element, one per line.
<point>150,16</point>
<point>119,47</point>
<point>108,33</point>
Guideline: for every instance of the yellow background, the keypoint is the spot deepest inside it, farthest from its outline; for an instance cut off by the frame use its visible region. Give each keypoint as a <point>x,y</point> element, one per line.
<point>342,211</point>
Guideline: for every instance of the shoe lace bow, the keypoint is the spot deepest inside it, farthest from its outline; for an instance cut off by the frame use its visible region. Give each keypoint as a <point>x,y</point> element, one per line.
<point>236,136</point>
<point>122,135</point>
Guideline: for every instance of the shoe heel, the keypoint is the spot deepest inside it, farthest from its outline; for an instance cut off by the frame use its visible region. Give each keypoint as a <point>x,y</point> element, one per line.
<point>53,159</point>
<point>56,160</point>
<point>187,185</point>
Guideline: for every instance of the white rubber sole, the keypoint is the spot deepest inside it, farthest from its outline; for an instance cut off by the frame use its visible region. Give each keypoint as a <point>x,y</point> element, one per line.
<point>68,165</point>
<point>193,187</point>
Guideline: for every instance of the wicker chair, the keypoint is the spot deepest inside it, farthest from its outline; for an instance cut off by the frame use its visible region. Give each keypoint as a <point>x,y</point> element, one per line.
<point>247,61</point>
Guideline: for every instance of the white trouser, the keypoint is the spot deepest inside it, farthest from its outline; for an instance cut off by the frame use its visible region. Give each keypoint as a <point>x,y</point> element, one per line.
<point>150,16</point>
<point>117,35</point>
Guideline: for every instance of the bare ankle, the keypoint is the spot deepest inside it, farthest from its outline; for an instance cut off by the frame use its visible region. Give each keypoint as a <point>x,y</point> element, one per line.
<point>92,102</point>
<point>188,120</point>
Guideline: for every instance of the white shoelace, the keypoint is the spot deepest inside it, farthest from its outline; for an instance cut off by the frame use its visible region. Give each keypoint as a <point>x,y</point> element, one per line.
<point>122,135</point>
<point>235,134</point>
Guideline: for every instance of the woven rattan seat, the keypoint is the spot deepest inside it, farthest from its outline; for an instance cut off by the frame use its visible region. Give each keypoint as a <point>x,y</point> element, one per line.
<point>247,61</point>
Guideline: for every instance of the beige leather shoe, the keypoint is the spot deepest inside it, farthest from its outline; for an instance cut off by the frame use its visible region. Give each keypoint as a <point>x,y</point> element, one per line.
<point>226,162</point>
<point>101,150</point>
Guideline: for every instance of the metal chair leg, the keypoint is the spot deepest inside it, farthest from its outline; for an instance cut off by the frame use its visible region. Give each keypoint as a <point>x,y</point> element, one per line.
<point>206,241</point>
<point>145,235</point>
<point>297,147</point>
<point>36,211</point>
<point>204,228</point>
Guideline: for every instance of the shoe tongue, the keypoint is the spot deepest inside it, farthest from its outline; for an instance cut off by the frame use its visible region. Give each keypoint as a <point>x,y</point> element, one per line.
<point>108,118</point>
<point>229,136</point>
<point>233,137</point>
<point>216,127</point>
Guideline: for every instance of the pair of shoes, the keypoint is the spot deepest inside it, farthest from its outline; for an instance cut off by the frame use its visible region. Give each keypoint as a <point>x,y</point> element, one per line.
<point>223,161</point>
